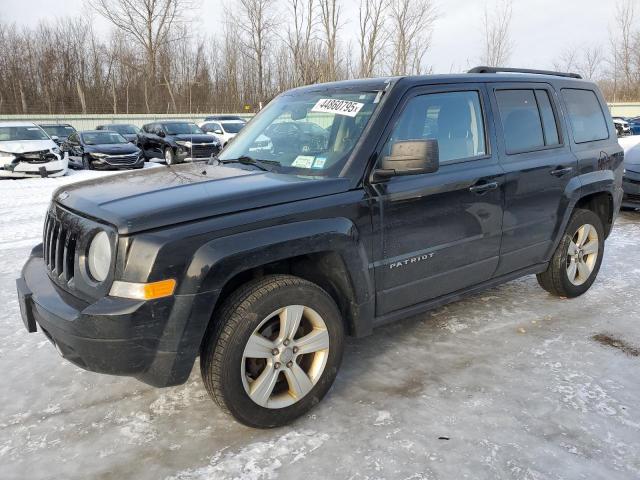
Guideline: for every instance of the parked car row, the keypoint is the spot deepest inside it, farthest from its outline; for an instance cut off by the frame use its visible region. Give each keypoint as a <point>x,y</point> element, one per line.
<point>44,150</point>
<point>627,126</point>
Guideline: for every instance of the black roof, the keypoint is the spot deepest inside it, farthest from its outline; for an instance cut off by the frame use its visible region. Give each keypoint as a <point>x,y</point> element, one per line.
<point>476,75</point>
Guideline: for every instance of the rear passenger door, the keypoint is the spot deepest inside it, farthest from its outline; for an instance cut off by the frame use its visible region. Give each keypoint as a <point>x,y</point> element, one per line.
<point>440,231</point>
<point>539,165</point>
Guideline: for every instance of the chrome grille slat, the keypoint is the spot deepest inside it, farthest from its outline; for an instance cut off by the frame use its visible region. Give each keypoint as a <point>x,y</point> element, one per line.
<point>69,257</point>
<point>60,251</point>
<point>52,228</point>
<point>59,248</point>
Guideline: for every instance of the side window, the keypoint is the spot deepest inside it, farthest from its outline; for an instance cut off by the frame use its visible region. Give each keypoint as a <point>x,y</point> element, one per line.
<point>73,138</point>
<point>520,120</point>
<point>549,125</point>
<point>454,119</point>
<point>585,115</point>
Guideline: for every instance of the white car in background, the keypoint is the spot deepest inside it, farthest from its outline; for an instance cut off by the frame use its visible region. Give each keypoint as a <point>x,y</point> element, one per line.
<point>225,130</point>
<point>27,151</point>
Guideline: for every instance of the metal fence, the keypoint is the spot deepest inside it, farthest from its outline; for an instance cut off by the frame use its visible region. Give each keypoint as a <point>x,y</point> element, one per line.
<point>625,109</point>
<point>89,122</point>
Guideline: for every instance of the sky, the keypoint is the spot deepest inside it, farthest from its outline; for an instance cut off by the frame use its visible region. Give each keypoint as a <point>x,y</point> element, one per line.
<point>541,29</point>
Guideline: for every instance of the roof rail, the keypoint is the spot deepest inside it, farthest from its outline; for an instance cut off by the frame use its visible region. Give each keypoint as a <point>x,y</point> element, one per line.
<point>522,70</point>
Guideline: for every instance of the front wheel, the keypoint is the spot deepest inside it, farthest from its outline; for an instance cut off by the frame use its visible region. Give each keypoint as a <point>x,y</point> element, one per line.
<point>274,350</point>
<point>169,156</point>
<point>86,163</point>
<point>576,262</point>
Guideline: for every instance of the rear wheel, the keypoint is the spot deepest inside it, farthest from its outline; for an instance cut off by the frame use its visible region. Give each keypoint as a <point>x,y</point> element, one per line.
<point>576,262</point>
<point>273,351</point>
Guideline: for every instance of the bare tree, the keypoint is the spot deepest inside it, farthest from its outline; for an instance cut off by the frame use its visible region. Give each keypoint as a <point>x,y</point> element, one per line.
<point>330,20</point>
<point>568,60</point>
<point>497,38</point>
<point>299,40</point>
<point>256,21</point>
<point>149,23</point>
<point>592,63</point>
<point>412,23</point>
<point>372,35</point>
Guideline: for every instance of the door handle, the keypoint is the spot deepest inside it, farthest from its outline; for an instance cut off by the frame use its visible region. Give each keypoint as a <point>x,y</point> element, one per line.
<point>559,172</point>
<point>483,187</point>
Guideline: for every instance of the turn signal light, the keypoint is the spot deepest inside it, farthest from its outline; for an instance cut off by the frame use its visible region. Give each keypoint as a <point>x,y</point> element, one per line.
<point>143,291</point>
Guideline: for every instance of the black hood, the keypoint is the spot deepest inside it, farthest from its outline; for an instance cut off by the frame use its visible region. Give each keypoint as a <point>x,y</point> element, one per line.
<point>113,148</point>
<point>161,196</point>
<point>195,138</point>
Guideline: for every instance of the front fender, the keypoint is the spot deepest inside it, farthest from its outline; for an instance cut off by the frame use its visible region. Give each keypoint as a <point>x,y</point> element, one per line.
<point>221,259</point>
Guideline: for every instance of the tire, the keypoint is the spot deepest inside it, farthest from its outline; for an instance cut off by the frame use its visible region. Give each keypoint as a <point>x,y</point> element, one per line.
<point>144,155</point>
<point>86,163</point>
<point>264,306</point>
<point>560,278</point>
<point>169,156</point>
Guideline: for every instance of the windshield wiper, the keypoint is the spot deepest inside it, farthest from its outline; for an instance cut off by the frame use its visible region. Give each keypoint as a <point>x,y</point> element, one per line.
<point>266,165</point>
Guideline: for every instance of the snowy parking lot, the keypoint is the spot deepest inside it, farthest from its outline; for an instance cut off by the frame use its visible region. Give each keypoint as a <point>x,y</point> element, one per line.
<point>509,383</point>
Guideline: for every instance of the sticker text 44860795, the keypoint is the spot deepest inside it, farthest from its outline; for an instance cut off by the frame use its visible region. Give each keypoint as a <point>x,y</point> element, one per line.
<point>340,107</point>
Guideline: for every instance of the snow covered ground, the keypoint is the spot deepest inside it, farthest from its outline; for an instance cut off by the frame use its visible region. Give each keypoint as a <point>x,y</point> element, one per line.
<point>509,383</point>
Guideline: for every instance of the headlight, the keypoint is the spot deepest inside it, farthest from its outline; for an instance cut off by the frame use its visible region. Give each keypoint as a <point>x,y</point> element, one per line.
<point>7,156</point>
<point>183,143</point>
<point>99,258</point>
<point>97,155</point>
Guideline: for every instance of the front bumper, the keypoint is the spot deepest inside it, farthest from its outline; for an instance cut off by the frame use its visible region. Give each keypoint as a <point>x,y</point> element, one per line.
<point>56,168</point>
<point>106,164</point>
<point>631,187</point>
<point>185,154</point>
<point>153,341</point>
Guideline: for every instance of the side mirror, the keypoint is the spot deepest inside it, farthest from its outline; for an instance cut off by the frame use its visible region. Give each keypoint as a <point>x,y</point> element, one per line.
<point>161,133</point>
<point>218,132</point>
<point>409,157</point>
<point>55,138</point>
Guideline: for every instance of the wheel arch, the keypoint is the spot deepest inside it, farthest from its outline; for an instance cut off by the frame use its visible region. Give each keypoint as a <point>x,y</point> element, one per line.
<point>602,204</point>
<point>324,251</point>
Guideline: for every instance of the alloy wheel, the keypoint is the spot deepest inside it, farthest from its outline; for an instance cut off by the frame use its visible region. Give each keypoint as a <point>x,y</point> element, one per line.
<point>285,356</point>
<point>582,254</point>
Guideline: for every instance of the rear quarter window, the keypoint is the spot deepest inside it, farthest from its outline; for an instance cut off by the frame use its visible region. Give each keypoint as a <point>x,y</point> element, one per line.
<point>587,120</point>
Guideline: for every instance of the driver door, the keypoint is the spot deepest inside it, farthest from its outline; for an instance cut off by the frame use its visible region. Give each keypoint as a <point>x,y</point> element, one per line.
<point>441,231</point>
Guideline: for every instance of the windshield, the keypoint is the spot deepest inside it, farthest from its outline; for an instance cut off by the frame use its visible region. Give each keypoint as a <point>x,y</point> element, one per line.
<point>182,128</point>
<point>11,134</point>
<point>102,138</point>
<point>123,129</point>
<point>233,127</point>
<point>59,130</point>
<point>307,133</point>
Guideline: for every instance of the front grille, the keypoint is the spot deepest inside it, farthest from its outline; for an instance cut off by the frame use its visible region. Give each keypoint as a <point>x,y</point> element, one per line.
<point>59,244</point>
<point>632,198</point>
<point>122,159</point>
<point>203,150</point>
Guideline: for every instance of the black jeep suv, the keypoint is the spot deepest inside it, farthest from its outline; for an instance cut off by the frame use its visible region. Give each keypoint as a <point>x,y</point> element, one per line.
<point>176,142</point>
<point>260,262</point>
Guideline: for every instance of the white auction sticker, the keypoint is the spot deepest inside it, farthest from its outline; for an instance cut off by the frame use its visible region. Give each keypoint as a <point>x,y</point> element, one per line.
<point>340,107</point>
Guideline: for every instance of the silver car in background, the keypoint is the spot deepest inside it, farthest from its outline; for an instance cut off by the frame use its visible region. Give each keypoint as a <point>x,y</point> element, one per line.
<point>26,150</point>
